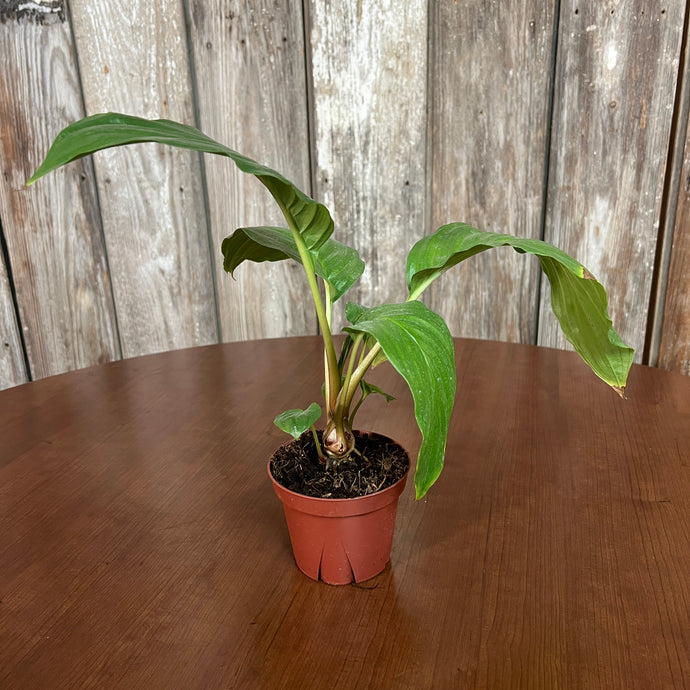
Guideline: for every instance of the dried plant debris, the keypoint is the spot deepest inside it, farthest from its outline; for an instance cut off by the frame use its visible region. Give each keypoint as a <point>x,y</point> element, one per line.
<point>38,11</point>
<point>378,464</point>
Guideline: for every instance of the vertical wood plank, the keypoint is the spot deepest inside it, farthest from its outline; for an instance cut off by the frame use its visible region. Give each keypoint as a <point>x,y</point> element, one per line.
<point>369,64</point>
<point>52,229</point>
<point>12,367</point>
<point>674,347</point>
<point>489,85</point>
<point>133,59</point>
<point>615,89</point>
<point>250,80</point>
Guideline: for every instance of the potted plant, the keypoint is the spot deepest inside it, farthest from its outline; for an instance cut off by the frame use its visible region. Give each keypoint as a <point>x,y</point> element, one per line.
<point>360,468</point>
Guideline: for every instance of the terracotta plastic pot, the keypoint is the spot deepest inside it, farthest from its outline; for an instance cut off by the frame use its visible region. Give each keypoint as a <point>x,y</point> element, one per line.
<point>341,540</point>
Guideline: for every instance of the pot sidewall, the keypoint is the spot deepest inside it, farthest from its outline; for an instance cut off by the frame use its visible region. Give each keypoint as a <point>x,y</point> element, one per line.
<point>341,540</point>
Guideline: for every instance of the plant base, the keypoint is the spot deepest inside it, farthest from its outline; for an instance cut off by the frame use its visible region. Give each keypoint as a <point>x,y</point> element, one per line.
<point>341,540</point>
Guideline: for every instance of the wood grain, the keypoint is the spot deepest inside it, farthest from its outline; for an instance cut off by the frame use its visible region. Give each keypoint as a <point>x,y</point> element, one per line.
<point>406,117</point>
<point>133,59</point>
<point>615,88</point>
<point>674,347</point>
<point>52,229</point>
<point>489,85</point>
<point>369,118</point>
<point>143,546</point>
<point>250,78</point>
<point>12,366</point>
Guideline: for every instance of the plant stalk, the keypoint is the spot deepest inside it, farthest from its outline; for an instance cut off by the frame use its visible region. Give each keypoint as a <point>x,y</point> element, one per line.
<point>332,378</point>
<point>348,393</point>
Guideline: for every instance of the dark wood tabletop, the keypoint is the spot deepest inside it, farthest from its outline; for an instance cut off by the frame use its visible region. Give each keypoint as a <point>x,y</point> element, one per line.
<point>142,546</point>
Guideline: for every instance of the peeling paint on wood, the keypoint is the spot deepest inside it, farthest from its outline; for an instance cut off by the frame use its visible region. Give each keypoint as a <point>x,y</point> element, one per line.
<point>39,11</point>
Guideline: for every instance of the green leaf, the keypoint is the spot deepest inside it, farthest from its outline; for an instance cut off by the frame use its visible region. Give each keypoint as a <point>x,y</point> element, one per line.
<point>578,300</point>
<point>240,247</point>
<point>312,220</point>
<point>296,422</point>
<point>336,263</point>
<point>353,312</point>
<point>370,389</point>
<point>419,345</point>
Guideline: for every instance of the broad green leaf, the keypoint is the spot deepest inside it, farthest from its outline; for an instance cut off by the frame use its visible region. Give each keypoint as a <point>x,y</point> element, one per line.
<point>106,130</point>
<point>334,262</point>
<point>353,312</point>
<point>577,299</point>
<point>419,345</point>
<point>296,422</point>
<point>240,247</point>
<point>340,265</point>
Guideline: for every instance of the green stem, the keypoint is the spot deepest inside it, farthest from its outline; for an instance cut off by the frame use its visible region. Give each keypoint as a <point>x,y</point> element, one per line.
<point>420,289</point>
<point>329,303</point>
<point>353,414</point>
<point>351,360</point>
<point>319,452</point>
<point>331,359</point>
<point>348,393</point>
<point>341,411</point>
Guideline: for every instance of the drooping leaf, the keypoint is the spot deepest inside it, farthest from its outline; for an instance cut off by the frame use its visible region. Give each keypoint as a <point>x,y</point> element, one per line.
<point>581,308</point>
<point>106,130</point>
<point>336,263</point>
<point>578,300</point>
<point>419,345</point>
<point>240,247</point>
<point>296,422</point>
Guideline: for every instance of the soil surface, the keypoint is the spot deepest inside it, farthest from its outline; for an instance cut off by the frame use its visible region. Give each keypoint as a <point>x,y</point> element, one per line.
<point>380,464</point>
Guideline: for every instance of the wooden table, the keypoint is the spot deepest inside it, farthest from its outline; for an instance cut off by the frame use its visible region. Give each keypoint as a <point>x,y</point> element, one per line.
<point>142,545</point>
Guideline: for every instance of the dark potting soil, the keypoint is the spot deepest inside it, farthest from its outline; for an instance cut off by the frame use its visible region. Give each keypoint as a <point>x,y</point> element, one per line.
<point>379,464</point>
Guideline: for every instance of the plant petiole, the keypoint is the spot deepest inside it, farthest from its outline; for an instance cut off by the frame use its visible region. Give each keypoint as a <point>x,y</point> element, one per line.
<point>319,451</point>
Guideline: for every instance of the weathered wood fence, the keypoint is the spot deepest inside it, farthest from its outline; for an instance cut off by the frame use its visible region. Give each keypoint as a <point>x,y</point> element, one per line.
<point>562,120</point>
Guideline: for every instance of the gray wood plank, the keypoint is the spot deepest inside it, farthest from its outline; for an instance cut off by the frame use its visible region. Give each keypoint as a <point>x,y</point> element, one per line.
<point>12,367</point>
<point>674,346</point>
<point>52,229</point>
<point>133,59</point>
<point>250,79</point>
<point>489,89</point>
<point>615,89</point>
<point>369,65</point>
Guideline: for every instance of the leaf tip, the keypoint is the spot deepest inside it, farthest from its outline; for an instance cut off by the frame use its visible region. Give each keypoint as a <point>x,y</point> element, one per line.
<point>37,174</point>
<point>621,391</point>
